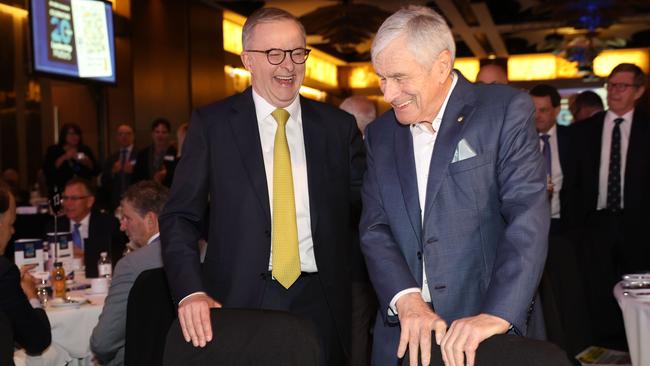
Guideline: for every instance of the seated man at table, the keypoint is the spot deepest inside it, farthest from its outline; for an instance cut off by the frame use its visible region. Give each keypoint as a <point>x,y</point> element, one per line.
<point>92,231</point>
<point>141,204</point>
<point>18,300</point>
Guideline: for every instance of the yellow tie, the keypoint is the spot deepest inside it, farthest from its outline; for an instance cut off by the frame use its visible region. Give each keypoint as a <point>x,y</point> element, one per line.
<point>286,258</point>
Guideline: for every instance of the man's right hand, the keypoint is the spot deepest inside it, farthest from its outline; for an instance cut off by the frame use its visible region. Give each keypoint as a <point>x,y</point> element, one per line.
<point>194,316</point>
<point>417,321</point>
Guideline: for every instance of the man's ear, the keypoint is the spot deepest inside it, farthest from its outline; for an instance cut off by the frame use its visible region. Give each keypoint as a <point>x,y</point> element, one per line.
<point>444,59</point>
<point>246,60</point>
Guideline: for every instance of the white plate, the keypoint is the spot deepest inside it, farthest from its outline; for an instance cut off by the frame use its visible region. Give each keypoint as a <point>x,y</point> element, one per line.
<point>90,291</point>
<point>641,295</point>
<point>636,277</point>
<point>73,303</point>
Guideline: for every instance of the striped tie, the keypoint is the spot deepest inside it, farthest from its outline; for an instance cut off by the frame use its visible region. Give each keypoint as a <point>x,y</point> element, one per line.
<point>286,258</point>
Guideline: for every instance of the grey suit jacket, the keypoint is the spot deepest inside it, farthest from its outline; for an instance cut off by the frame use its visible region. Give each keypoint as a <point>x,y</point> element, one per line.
<point>107,340</point>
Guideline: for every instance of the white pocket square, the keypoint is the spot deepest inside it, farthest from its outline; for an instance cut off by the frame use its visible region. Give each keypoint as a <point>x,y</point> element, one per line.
<point>463,151</point>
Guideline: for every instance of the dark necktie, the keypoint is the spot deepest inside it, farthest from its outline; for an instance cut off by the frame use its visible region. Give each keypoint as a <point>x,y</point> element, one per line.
<point>614,176</point>
<point>546,151</point>
<point>122,162</point>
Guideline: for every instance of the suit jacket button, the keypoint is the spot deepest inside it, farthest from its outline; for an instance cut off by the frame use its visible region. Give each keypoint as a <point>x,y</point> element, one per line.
<point>420,255</point>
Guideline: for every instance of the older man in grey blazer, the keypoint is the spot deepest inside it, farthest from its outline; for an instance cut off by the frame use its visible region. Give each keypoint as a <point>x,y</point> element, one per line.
<point>141,204</point>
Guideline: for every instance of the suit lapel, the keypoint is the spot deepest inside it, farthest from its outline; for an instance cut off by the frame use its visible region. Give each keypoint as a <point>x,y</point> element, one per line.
<point>315,150</point>
<point>405,161</point>
<point>247,138</point>
<point>449,134</point>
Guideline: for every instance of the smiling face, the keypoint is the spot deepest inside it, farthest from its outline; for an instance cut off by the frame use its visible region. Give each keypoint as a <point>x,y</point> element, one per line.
<point>277,84</point>
<point>415,92</point>
<point>622,101</point>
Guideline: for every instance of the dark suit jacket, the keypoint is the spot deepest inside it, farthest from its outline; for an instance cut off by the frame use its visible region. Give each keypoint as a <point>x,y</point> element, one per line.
<point>145,170</point>
<point>31,328</point>
<point>57,177</point>
<point>483,238</point>
<point>582,177</point>
<point>563,144</point>
<point>112,184</point>
<point>104,235</point>
<point>222,159</point>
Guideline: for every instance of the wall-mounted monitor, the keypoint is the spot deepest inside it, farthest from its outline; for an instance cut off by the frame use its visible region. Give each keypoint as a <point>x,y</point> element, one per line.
<point>73,38</point>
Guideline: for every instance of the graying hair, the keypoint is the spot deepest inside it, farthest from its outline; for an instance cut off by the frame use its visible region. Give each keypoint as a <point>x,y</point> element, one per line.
<point>266,15</point>
<point>427,34</point>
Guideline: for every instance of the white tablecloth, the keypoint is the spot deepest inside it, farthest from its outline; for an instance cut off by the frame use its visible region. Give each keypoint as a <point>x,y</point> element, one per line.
<point>71,330</point>
<point>636,315</point>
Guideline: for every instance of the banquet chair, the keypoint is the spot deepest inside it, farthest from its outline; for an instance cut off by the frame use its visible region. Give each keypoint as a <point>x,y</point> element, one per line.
<point>509,350</point>
<point>6,340</point>
<point>247,337</point>
<point>150,312</point>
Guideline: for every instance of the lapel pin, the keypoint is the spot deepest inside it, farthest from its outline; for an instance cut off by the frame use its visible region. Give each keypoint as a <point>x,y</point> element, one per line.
<point>460,119</point>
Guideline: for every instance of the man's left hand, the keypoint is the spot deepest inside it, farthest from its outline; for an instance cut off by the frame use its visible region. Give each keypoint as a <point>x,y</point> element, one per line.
<point>464,335</point>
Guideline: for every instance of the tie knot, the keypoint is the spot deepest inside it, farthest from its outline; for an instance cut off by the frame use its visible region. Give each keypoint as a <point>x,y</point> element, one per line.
<point>545,137</point>
<point>618,121</point>
<point>281,116</point>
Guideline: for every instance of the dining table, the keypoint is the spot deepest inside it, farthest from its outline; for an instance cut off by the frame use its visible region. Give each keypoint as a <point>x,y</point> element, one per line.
<point>72,325</point>
<point>635,306</point>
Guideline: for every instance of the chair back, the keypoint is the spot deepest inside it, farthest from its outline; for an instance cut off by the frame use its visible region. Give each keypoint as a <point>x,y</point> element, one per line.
<point>510,350</point>
<point>6,340</point>
<point>243,337</point>
<point>150,312</point>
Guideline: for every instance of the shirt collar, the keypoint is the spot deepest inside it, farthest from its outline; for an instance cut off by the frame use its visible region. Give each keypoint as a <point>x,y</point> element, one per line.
<point>550,132</point>
<point>437,120</point>
<point>85,221</point>
<point>153,238</point>
<point>263,109</point>
<point>627,116</point>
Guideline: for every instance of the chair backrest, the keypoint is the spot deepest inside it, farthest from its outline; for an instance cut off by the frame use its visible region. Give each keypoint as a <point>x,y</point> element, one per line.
<point>510,350</point>
<point>150,312</point>
<point>6,340</point>
<point>248,337</point>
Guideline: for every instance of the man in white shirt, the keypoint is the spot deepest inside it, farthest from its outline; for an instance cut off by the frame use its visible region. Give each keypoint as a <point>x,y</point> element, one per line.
<point>608,197</point>
<point>455,210</point>
<point>553,143</point>
<point>141,205</point>
<point>280,174</point>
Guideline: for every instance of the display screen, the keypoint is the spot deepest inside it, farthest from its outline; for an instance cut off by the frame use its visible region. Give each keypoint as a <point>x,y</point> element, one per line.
<point>73,38</point>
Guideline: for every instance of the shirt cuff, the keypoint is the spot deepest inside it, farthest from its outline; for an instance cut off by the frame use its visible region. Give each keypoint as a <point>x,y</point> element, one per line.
<point>192,294</point>
<point>35,303</point>
<point>392,309</point>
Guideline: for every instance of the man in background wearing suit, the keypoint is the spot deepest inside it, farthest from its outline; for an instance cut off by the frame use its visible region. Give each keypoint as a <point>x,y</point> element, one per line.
<point>455,210</point>
<point>553,143</point>
<point>118,169</point>
<point>280,173</point>
<point>92,231</point>
<point>141,205</point>
<point>608,197</point>
<point>157,161</point>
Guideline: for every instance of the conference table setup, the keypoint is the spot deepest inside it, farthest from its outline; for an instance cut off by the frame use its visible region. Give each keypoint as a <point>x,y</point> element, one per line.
<point>633,296</point>
<point>72,321</point>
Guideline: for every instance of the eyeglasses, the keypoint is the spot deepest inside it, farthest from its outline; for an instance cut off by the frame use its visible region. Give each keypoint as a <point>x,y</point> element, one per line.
<point>620,87</point>
<point>276,55</point>
<point>73,198</point>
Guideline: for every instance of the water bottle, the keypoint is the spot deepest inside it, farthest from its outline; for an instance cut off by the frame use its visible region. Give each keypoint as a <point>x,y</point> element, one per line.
<point>104,268</point>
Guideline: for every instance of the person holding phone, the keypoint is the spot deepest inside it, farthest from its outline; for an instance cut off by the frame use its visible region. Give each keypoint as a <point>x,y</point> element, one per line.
<point>68,158</point>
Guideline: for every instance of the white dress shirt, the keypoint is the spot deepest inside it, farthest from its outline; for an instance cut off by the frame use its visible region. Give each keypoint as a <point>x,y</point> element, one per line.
<point>556,170</point>
<point>267,126</point>
<point>423,144</point>
<point>606,146</point>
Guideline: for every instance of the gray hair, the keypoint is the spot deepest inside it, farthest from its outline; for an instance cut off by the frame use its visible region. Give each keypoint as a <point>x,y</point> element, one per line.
<point>362,108</point>
<point>266,15</point>
<point>427,34</point>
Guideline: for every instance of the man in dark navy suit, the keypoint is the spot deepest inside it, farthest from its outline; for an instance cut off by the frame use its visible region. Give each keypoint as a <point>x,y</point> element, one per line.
<point>553,143</point>
<point>280,173</point>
